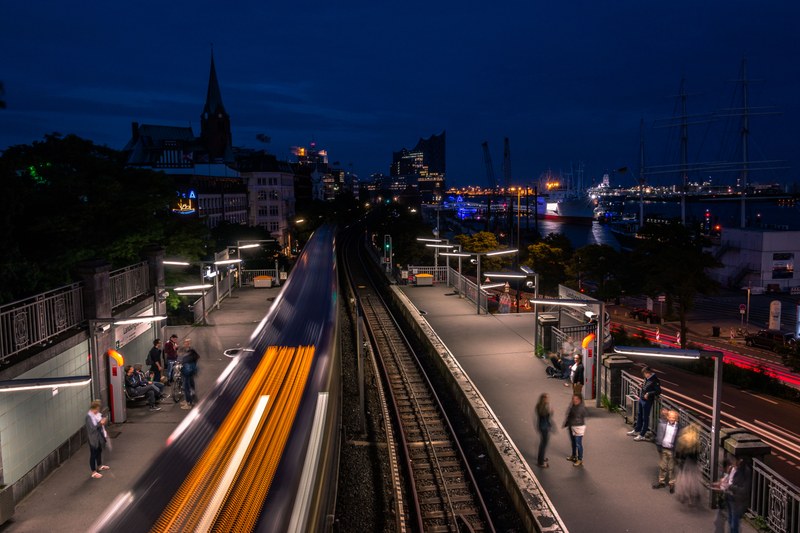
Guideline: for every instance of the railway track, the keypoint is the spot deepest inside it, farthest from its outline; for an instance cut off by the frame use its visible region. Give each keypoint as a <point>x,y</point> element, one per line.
<point>442,493</point>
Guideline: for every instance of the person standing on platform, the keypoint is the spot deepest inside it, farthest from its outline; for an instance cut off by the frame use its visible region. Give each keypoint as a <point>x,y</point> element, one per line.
<point>651,387</point>
<point>544,424</point>
<point>171,356</point>
<point>689,487</point>
<point>576,376</point>
<point>188,371</point>
<point>154,360</point>
<point>737,495</point>
<point>96,432</point>
<point>576,426</point>
<point>666,437</point>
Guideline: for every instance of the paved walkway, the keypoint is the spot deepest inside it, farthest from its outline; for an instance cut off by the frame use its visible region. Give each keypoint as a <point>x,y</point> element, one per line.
<point>69,500</point>
<point>612,492</point>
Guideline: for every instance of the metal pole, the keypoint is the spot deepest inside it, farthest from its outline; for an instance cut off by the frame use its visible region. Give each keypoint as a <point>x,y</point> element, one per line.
<point>239,265</point>
<point>478,284</point>
<point>599,352</point>
<point>715,419</point>
<point>94,367</point>
<point>360,355</point>
<point>216,288</point>
<point>747,320</point>
<point>535,315</point>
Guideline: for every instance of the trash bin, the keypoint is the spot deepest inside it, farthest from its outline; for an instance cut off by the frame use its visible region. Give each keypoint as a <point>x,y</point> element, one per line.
<point>262,282</point>
<point>715,331</point>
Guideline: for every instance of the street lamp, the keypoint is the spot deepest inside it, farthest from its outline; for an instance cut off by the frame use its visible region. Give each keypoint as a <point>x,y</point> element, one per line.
<point>436,254</point>
<point>458,254</point>
<point>478,278</point>
<point>249,245</point>
<point>716,401</point>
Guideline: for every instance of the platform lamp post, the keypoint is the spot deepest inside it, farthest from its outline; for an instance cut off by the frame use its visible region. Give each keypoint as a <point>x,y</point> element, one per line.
<point>435,252</point>
<point>437,247</point>
<point>478,278</point>
<point>717,356</point>
<point>460,255</point>
<point>247,245</point>
<point>529,272</point>
<point>223,262</point>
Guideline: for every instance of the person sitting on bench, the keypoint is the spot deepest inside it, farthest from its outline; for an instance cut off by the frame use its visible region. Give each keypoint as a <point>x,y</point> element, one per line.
<point>135,388</point>
<point>144,380</point>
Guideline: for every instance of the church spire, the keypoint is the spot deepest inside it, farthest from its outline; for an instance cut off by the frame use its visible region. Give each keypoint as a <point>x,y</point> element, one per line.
<point>213,96</point>
<point>215,124</point>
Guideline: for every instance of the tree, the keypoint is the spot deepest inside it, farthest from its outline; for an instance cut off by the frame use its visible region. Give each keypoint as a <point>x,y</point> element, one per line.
<point>74,200</point>
<point>550,263</point>
<point>675,265</point>
<point>484,241</point>
<point>596,265</point>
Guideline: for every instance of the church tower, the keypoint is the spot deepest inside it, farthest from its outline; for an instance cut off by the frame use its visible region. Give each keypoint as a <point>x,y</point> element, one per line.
<point>215,124</point>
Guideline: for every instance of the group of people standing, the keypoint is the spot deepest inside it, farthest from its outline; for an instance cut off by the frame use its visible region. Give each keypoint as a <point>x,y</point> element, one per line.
<point>575,422</point>
<point>162,364</point>
<point>678,447</point>
<point>167,359</point>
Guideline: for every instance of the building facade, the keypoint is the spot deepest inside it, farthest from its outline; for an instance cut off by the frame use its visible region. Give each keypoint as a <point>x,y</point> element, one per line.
<point>423,168</point>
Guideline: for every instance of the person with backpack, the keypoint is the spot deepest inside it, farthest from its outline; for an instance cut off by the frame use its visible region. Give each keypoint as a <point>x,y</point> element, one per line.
<point>154,361</point>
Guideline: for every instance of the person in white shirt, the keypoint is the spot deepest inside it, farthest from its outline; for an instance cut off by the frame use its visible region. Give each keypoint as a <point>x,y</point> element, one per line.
<point>666,436</point>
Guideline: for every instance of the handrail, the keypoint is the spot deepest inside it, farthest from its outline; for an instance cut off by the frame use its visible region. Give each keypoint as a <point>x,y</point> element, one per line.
<point>35,320</point>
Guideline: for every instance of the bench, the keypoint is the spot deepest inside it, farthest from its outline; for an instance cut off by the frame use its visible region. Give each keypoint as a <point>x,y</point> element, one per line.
<point>130,397</point>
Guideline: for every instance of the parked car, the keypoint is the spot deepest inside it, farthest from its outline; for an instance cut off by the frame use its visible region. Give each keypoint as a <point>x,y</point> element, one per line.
<point>771,339</point>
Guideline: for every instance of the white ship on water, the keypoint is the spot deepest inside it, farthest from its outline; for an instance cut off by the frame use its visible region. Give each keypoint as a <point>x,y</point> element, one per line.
<point>562,198</point>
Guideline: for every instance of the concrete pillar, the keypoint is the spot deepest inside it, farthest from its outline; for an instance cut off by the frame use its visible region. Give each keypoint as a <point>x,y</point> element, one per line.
<point>154,255</point>
<point>97,304</point>
<point>611,385</point>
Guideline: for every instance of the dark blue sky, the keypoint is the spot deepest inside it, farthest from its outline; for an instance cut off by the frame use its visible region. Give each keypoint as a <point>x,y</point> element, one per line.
<point>565,81</point>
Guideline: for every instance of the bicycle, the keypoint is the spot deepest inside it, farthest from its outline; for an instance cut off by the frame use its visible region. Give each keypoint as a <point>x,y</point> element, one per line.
<point>177,383</point>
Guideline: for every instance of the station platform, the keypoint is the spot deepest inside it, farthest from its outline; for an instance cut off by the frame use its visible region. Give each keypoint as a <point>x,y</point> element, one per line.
<point>612,491</point>
<point>69,499</point>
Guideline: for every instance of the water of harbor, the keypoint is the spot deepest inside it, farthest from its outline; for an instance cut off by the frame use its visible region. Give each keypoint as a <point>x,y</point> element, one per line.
<point>758,213</point>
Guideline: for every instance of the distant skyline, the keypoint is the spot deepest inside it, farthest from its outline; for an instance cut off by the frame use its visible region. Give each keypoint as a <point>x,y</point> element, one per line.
<point>566,82</point>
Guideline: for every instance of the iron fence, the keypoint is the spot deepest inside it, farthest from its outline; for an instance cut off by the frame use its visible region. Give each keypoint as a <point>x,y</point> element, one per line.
<point>439,273</point>
<point>249,275</point>
<point>129,283</point>
<point>773,497</point>
<point>35,320</point>
<point>775,500</point>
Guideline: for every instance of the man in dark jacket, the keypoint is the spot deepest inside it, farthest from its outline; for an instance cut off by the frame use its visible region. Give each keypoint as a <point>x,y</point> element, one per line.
<point>155,361</point>
<point>650,389</point>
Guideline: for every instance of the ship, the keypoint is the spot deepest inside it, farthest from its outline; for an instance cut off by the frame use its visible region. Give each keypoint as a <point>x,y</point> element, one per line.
<point>560,199</point>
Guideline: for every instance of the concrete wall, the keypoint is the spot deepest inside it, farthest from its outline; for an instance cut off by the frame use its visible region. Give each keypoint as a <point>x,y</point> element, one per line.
<point>36,426</point>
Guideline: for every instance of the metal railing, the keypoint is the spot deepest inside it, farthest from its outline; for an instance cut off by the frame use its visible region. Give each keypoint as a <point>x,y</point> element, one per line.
<point>249,275</point>
<point>129,283</point>
<point>775,500</point>
<point>439,273</point>
<point>33,321</point>
<point>773,497</point>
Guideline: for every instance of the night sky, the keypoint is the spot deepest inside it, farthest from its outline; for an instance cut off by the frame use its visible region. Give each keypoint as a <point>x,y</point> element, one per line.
<point>565,81</point>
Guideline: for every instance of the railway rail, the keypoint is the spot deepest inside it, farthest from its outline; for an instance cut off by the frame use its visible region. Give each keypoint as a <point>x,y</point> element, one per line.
<point>442,493</point>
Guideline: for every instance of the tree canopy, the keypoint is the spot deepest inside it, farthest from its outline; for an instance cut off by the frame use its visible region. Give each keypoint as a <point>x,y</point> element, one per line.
<point>75,200</point>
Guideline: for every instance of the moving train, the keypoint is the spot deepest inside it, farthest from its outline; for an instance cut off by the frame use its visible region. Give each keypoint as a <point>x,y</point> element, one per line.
<point>260,452</point>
